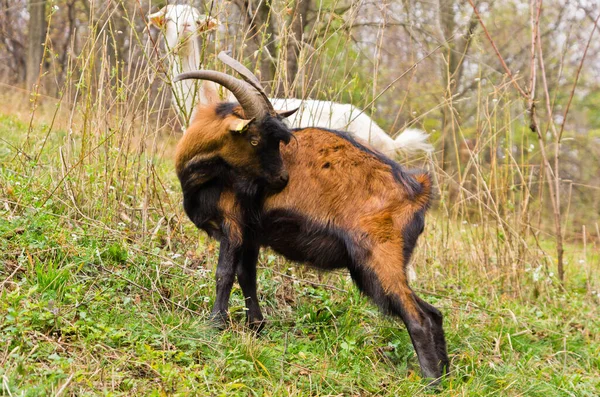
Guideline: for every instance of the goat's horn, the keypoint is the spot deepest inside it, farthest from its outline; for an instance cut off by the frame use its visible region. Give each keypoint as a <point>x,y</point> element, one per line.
<point>246,74</point>
<point>247,95</point>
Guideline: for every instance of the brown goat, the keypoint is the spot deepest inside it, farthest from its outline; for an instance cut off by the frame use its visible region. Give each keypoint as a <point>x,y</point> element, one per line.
<point>344,205</point>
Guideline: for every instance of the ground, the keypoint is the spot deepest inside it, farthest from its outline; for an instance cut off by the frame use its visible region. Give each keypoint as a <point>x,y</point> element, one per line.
<point>104,299</point>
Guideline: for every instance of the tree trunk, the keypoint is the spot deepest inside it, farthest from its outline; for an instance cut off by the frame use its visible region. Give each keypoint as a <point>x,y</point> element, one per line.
<point>298,22</point>
<point>12,41</point>
<point>261,29</point>
<point>265,38</point>
<point>447,26</point>
<point>37,36</point>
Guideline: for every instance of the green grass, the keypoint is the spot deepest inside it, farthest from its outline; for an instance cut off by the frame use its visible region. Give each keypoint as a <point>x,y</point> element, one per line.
<point>96,306</point>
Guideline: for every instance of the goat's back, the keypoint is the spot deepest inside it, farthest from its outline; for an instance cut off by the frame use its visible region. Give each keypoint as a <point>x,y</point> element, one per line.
<point>343,194</point>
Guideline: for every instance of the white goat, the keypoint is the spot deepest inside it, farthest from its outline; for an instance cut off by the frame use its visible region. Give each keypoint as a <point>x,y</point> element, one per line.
<point>346,117</point>
<point>181,35</point>
<point>182,25</point>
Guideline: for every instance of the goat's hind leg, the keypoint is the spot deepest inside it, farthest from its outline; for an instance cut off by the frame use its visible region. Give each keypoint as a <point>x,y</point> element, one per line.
<point>437,320</point>
<point>246,273</point>
<point>423,321</point>
<point>424,325</point>
<point>229,256</point>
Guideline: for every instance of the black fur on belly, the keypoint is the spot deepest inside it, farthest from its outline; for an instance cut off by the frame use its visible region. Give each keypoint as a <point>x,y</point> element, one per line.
<point>321,246</point>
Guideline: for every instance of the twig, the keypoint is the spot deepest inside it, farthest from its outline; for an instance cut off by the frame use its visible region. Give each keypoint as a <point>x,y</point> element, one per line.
<point>64,386</point>
<point>83,157</point>
<point>304,280</point>
<point>149,290</point>
<point>464,301</point>
<point>552,174</point>
<point>5,385</point>
<point>506,69</point>
<point>11,275</point>
<point>397,79</point>
<point>564,121</point>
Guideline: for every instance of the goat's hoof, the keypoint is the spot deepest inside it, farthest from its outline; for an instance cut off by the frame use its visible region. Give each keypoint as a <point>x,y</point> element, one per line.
<point>219,320</point>
<point>256,324</point>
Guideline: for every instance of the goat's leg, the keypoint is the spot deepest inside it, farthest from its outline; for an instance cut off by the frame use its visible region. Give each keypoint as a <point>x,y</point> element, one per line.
<point>424,327</point>
<point>426,333</point>
<point>438,332</point>
<point>246,273</point>
<point>229,256</point>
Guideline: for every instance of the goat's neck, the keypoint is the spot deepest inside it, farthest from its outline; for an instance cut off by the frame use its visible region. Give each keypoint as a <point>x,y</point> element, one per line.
<point>187,59</point>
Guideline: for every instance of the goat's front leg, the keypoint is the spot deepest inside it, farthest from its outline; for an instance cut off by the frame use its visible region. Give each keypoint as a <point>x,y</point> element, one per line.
<point>246,273</point>
<point>229,256</point>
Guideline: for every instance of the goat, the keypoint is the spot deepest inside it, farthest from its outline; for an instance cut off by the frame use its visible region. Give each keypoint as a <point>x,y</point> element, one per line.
<point>324,114</point>
<point>182,26</point>
<point>325,199</point>
<point>341,116</point>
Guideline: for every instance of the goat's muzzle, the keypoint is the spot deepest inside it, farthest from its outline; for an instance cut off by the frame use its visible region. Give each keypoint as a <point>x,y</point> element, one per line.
<point>279,182</point>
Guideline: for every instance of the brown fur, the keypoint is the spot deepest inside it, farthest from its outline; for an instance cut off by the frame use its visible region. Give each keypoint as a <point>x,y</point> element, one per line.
<point>354,191</point>
<point>232,216</point>
<point>210,136</point>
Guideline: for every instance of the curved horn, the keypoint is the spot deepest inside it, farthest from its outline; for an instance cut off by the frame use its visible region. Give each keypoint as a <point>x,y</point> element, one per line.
<point>246,74</point>
<point>249,98</point>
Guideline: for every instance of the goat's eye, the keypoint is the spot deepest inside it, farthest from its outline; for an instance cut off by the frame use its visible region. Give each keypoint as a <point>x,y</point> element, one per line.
<point>254,142</point>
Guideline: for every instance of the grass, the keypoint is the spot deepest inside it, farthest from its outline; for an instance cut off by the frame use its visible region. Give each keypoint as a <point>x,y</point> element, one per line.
<point>98,299</point>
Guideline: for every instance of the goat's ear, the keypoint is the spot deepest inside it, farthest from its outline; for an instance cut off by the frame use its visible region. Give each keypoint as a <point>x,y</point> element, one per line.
<point>158,18</point>
<point>206,23</point>
<point>286,113</point>
<point>239,125</point>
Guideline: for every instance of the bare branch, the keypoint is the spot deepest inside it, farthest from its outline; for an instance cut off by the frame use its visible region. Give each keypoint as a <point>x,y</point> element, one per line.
<point>506,69</point>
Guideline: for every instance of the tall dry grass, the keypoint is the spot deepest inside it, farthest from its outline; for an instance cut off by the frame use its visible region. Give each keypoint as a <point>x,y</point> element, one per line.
<point>107,139</point>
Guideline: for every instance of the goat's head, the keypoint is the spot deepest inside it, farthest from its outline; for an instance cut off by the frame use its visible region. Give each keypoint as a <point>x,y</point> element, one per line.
<point>247,136</point>
<point>181,25</point>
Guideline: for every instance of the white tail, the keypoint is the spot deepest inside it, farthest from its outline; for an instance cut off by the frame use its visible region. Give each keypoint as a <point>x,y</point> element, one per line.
<point>413,140</point>
<point>349,118</point>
